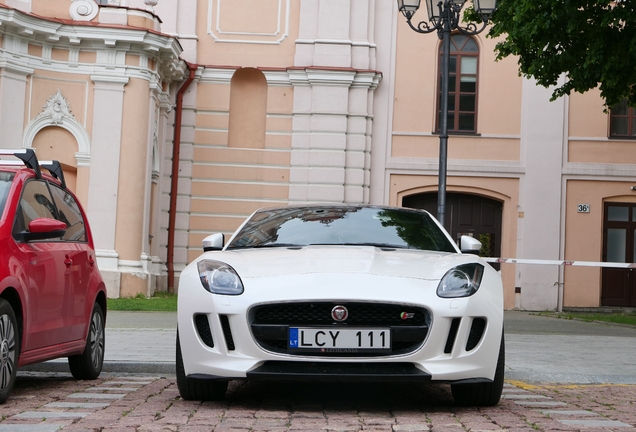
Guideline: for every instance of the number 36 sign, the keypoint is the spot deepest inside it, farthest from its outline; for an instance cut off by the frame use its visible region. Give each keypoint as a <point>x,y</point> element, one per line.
<point>583,208</point>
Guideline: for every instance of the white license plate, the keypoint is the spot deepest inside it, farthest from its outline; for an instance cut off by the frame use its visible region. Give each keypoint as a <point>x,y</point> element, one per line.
<point>329,339</point>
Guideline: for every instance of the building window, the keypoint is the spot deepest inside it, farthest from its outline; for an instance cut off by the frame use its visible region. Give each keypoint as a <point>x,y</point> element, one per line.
<point>623,120</point>
<point>462,85</point>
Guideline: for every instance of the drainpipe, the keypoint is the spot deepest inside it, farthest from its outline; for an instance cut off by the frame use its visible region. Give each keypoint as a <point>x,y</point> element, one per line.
<point>174,183</point>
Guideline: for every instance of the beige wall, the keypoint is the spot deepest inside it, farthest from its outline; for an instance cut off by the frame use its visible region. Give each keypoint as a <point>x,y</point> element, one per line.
<point>51,8</point>
<point>586,117</point>
<point>224,37</point>
<point>459,147</point>
<point>74,88</point>
<point>602,152</point>
<point>229,182</point>
<point>55,143</point>
<point>584,236</point>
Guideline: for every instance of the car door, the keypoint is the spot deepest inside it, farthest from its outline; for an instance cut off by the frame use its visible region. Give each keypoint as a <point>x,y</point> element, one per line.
<point>49,278</point>
<point>79,259</point>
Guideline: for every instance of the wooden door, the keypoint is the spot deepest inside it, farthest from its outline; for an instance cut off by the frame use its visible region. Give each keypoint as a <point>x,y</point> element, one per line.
<point>466,214</point>
<point>619,245</point>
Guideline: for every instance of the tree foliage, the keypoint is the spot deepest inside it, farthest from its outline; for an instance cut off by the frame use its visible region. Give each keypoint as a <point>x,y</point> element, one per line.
<point>592,42</point>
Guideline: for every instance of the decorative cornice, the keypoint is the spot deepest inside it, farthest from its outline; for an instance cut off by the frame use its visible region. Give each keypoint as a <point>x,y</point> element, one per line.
<point>88,35</point>
<point>298,76</point>
<point>15,67</point>
<point>110,79</point>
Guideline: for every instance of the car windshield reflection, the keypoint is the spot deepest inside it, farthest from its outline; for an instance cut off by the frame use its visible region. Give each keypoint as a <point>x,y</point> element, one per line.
<point>346,226</point>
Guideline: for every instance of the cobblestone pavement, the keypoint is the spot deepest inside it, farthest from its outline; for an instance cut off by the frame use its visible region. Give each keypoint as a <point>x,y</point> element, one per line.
<point>47,401</point>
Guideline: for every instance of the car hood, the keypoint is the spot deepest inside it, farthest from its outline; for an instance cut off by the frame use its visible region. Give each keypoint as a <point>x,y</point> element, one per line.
<point>281,261</point>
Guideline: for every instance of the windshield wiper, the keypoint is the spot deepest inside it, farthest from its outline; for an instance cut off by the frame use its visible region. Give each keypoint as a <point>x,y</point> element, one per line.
<point>378,245</point>
<point>267,245</point>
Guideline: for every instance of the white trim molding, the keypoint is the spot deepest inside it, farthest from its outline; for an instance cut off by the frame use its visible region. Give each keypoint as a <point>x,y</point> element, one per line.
<point>274,38</point>
<point>57,112</point>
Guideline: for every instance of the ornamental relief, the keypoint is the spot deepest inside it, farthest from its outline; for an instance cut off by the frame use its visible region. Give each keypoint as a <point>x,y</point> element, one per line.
<point>83,10</point>
<point>255,21</point>
<point>56,109</point>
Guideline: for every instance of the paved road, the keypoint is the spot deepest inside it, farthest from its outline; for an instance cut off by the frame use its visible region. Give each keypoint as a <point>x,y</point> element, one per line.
<point>544,357</point>
<point>553,350</point>
<point>538,348</point>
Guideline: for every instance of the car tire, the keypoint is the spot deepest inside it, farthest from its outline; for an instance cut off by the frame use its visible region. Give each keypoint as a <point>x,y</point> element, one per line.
<point>9,349</point>
<point>483,394</point>
<point>197,389</point>
<point>88,365</point>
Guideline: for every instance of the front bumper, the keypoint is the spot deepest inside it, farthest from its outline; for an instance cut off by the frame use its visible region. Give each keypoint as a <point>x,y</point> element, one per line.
<point>462,343</point>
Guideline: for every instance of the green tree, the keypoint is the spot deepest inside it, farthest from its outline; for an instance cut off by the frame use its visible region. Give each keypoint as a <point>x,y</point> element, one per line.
<point>592,42</point>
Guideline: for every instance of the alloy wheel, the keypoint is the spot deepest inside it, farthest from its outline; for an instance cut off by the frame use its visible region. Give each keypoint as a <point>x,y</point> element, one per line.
<point>97,339</point>
<point>7,351</point>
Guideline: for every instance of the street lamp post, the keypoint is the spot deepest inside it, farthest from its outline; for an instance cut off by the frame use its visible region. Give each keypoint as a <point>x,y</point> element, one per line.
<point>444,17</point>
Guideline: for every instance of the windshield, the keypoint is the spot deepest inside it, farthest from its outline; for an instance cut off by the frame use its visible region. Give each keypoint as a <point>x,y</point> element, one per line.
<point>373,226</point>
<point>5,184</point>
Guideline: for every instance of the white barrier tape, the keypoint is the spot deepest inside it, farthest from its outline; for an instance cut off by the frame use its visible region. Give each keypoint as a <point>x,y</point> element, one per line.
<point>561,262</point>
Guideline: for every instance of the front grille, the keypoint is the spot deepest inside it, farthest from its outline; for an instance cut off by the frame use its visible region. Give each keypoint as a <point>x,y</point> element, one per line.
<point>409,324</point>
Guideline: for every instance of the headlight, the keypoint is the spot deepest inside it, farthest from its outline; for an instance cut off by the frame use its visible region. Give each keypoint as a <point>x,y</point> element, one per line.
<point>219,278</point>
<point>462,281</point>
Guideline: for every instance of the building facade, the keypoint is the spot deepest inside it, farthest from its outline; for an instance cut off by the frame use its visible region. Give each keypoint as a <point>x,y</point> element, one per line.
<point>175,119</point>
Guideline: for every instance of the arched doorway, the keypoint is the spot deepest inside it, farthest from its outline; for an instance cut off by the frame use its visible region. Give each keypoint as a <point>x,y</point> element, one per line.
<point>56,143</point>
<point>466,214</point>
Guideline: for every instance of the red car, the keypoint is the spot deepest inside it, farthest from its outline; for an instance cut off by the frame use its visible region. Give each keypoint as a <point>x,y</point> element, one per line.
<point>52,296</point>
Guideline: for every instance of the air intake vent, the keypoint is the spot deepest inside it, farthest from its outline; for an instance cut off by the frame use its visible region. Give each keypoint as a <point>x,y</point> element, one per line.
<point>227,332</point>
<point>476,332</point>
<point>452,334</point>
<point>203,328</point>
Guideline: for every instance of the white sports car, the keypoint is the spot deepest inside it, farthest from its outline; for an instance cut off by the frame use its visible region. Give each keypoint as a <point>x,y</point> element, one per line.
<point>345,293</point>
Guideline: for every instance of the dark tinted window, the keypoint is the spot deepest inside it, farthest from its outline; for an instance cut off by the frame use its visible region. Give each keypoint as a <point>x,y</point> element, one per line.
<point>36,202</point>
<point>343,226</point>
<point>68,212</point>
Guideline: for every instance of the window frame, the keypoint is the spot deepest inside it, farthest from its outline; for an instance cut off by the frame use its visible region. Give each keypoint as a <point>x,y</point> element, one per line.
<point>77,212</point>
<point>456,76</point>
<point>631,121</point>
<point>55,213</point>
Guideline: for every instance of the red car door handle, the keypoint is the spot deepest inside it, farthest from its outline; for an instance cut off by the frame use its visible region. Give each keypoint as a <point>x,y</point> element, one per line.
<point>68,262</point>
<point>91,262</point>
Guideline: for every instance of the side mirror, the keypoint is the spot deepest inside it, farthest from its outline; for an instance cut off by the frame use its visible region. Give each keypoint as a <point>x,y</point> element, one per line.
<point>470,245</point>
<point>213,242</point>
<point>43,229</point>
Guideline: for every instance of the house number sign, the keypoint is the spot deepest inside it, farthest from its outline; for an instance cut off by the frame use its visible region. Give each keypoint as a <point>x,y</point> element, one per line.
<point>584,208</point>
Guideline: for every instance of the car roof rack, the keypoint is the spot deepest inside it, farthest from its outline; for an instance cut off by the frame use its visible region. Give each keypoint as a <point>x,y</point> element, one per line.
<point>55,168</point>
<point>30,160</point>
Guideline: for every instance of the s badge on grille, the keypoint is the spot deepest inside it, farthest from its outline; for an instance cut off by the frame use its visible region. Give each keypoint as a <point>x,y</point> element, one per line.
<point>407,315</point>
<point>339,313</point>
